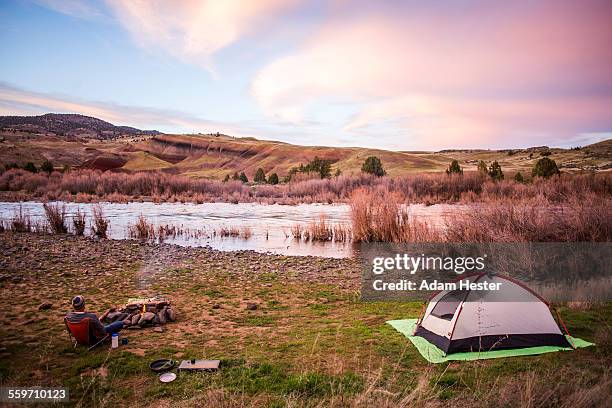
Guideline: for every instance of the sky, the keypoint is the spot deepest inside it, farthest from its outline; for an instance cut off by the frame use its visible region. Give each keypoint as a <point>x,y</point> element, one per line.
<point>399,75</point>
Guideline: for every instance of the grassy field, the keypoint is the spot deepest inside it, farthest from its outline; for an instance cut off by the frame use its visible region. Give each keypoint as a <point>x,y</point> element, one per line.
<point>310,342</point>
<point>205,156</point>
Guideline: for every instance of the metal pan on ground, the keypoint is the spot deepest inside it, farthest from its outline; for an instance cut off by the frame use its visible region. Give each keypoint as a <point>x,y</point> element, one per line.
<point>161,365</point>
<point>167,377</point>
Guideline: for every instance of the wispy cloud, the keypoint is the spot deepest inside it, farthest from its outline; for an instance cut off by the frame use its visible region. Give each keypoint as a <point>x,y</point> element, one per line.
<point>86,9</point>
<point>193,30</point>
<point>16,101</point>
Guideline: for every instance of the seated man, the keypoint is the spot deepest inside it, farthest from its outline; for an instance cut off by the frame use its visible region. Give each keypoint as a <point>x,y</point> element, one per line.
<point>99,330</point>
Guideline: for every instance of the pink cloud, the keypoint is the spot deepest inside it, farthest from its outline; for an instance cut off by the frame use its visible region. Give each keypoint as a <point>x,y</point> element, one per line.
<point>541,69</point>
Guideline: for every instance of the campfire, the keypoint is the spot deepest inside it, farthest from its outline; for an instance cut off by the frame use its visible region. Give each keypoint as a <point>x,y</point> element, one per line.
<point>139,313</point>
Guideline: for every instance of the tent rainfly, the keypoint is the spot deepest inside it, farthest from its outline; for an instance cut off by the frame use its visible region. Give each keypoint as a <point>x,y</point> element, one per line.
<point>483,320</point>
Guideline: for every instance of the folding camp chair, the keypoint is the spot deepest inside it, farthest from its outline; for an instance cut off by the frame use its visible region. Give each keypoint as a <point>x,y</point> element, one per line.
<point>82,332</point>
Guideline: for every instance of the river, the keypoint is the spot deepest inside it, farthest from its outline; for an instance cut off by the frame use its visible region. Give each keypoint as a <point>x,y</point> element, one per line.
<point>261,227</point>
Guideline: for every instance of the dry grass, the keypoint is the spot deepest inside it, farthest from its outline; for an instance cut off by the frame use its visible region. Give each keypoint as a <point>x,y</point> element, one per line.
<point>79,222</point>
<point>56,217</point>
<point>297,231</point>
<point>142,230</point>
<point>20,222</point>
<point>535,220</point>
<point>100,223</point>
<point>342,233</point>
<point>320,230</point>
<point>378,216</point>
<point>246,232</point>
<point>229,232</point>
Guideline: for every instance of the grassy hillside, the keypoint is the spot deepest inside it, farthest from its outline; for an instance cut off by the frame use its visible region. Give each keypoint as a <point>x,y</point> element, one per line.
<point>210,156</point>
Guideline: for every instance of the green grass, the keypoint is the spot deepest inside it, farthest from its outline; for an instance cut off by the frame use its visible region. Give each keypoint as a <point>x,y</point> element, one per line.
<point>309,341</point>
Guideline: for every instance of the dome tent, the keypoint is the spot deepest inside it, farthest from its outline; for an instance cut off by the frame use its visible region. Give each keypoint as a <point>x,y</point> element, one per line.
<point>481,320</point>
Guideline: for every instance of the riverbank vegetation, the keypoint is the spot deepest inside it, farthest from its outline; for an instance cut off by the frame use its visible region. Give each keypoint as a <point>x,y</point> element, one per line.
<point>475,186</point>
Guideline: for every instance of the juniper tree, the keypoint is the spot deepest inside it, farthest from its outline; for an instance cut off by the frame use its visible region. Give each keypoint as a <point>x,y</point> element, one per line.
<point>273,178</point>
<point>495,171</point>
<point>373,165</point>
<point>260,176</point>
<point>454,168</point>
<point>545,167</point>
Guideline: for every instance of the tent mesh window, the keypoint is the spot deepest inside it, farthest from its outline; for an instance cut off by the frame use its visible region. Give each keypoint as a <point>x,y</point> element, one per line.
<point>448,304</point>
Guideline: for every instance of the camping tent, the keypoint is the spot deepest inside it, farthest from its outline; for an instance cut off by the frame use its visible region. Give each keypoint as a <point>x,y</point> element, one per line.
<point>480,320</point>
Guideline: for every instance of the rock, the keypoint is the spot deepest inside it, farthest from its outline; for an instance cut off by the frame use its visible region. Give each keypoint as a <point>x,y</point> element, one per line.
<point>127,322</point>
<point>45,306</point>
<point>216,306</point>
<point>158,329</point>
<point>146,317</point>
<point>171,314</point>
<point>251,306</point>
<point>114,316</point>
<point>161,317</point>
<point>135,319</point>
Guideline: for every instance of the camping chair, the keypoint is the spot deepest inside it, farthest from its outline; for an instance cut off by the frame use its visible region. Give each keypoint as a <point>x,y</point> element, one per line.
<point>82,332</point>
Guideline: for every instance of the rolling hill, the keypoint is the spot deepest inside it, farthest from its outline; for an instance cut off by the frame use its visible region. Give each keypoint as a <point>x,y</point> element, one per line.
<point>69,124</point>
<point>67,140</point>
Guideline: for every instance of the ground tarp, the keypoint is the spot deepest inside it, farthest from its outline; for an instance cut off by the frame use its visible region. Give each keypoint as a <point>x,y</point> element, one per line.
<point>434,355</point>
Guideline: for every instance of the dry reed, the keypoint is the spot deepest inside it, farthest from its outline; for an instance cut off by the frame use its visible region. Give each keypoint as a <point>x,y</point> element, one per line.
<point>56,217</point>
<point>79,222</point>
<point>100,223</point>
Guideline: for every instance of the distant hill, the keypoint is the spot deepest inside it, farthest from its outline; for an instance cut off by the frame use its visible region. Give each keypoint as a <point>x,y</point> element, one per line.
<point>70,124</point>
<point>86,142</point>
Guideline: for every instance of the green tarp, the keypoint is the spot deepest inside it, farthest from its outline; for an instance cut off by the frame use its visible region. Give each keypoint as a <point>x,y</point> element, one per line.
<point>434,355</point>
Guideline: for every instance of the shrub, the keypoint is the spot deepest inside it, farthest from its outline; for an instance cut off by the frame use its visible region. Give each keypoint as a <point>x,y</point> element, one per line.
<point>47,167</point>
<point>100,223</point>
<point>236,177</point>
<point>373,165</point>
<point>56,217</point>
<point>79,223</point>
<point>226,178</point>
<point>495,171</point>
<point>243,177</point>
<point>518,177</point>
<point>30,167</point>
<point>260,176</point>
<point>273,179</point>
<point>482,167</point>
<point>338,173</point>
<point>545,167</point>
<point>454,168</point>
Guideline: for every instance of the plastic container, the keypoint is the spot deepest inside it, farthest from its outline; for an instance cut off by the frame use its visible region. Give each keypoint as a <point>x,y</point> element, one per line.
<point>115,340</point>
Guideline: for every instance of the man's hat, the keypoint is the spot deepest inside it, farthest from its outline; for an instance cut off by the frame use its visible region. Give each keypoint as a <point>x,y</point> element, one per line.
<point>78,302</point>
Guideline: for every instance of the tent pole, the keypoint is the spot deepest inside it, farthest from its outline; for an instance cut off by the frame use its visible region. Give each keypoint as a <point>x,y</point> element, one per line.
<point>565,328</point>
